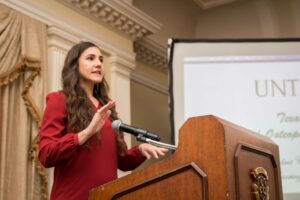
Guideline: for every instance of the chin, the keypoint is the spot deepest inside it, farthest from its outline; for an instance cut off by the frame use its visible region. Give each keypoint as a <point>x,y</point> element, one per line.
<point>98,81</point>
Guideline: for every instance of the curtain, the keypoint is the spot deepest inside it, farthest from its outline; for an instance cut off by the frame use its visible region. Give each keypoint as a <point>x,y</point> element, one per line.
<point>23,53</point>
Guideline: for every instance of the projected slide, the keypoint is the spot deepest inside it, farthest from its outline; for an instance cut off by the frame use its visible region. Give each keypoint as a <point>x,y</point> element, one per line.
<point>255,84</point>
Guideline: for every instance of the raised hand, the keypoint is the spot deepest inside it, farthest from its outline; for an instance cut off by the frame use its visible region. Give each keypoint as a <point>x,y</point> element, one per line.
<point>100,117</point>
<point>98,121</point>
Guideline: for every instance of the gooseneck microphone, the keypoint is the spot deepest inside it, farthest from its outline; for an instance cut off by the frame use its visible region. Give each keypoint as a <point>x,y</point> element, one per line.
<point>118,126</point>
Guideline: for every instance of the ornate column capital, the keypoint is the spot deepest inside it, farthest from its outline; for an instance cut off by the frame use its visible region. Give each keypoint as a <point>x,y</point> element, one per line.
<point>151,53</point>
<point>121,65</point>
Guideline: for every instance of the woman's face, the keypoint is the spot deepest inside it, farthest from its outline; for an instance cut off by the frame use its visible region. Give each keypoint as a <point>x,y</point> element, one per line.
<point>91,69</point>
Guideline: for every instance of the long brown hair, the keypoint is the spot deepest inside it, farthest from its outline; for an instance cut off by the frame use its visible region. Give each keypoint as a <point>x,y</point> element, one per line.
<point>79,108</point>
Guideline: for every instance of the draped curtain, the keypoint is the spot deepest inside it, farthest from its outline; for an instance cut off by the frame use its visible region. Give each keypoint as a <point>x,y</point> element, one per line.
<point>23,53</point>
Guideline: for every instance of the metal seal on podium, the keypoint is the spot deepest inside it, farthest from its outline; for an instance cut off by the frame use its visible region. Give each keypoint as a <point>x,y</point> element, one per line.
<point>260,189</point>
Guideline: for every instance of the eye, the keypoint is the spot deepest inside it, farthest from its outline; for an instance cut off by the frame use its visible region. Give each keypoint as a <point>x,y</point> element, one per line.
<point>90,58</point>
<point>101,59</point>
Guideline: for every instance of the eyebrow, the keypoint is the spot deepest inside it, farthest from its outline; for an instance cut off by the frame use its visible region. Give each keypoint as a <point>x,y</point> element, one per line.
<point>91,54</point>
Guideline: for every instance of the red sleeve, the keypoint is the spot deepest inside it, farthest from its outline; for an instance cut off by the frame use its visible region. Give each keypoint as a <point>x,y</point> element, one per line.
<point>56,144</point>
<point>131,160</point>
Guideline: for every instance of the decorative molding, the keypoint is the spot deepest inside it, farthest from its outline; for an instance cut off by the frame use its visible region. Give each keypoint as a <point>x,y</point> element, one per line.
<point>146,81</point>
<point>239,157</point>
<point>121,15</point>
<point>176,171</point>
<point>60,28</point>
<point>151,53</point>
<point>206,4</point>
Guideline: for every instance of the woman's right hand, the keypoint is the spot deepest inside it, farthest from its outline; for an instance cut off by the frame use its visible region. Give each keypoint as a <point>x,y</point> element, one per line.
<point>98,121</point>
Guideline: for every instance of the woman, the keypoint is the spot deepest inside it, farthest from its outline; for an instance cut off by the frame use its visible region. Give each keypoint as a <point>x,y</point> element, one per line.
<point>76,135</point>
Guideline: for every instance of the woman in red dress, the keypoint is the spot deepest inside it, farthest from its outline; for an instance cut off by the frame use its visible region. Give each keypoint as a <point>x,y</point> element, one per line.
<point>76,136</point>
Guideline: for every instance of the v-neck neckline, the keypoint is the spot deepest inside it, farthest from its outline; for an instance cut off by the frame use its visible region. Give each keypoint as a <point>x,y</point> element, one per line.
<point>95,106</point>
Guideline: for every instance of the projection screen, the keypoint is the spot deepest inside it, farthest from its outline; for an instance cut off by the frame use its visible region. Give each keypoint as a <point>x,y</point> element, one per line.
<point>253,83</point>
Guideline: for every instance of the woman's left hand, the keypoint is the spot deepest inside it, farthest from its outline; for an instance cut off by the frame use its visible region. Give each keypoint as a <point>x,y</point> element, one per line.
<point>149,150</point>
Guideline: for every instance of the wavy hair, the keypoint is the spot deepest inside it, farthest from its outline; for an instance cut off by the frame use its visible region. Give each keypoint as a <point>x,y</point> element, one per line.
<point>79,107</point>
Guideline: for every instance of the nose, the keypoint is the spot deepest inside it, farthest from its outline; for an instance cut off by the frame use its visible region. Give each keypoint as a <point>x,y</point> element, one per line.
<point>98,63</point>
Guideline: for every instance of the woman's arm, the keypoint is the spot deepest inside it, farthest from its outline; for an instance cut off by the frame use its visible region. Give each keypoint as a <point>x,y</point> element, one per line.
<point>138,154</point>
<point>56,143</point>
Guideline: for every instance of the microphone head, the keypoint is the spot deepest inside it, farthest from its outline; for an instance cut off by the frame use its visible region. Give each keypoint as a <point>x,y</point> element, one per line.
<point>116,125</point>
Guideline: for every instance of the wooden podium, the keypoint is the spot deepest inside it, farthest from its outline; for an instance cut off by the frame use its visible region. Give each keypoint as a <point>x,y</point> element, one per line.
<point>215,160</point>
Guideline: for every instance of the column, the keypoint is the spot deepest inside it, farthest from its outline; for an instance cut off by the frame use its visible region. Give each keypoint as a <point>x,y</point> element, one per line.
<point>120,69</point>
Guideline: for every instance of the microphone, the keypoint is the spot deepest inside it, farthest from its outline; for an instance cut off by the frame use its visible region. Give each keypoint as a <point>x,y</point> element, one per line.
<point>118,126</point>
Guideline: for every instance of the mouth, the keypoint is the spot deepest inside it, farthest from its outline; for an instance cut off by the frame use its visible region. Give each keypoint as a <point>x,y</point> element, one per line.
<point>97,72</point>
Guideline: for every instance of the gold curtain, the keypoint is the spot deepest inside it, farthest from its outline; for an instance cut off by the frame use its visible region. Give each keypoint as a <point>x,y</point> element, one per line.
<point>23,53</point>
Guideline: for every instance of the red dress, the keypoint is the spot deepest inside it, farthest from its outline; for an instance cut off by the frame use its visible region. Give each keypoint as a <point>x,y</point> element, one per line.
<point>78,168</point>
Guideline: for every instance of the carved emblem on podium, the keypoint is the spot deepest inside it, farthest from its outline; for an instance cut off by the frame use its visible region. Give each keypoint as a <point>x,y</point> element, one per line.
<point>260,189</point>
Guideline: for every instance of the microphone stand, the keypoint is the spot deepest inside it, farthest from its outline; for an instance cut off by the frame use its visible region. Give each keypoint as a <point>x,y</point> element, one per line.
<point>141,138</point>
